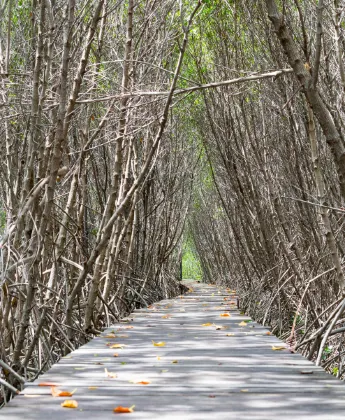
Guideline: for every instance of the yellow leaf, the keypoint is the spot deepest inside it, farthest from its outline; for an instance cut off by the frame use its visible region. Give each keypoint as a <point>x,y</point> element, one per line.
<point>279,348</point>
<point>92,388</point>
<point>208,324</point>
<point>230,335</point>
<point>244,390</point>
<point>174,361</point>
<point>166,316</point>
<point>158,358</point>
<point>242,324</point>
<point>109,336</point>
<point>224,314</point>
<point>70,404</point>
<point>117,346</point>
<point>159,344</point>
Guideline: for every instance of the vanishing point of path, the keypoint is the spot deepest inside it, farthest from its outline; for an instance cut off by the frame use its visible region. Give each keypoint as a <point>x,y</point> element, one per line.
<point>203,366</point>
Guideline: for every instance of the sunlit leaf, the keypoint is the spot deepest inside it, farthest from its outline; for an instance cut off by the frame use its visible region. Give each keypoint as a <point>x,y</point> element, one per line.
<point>56,393</point>
<point>70,404</point>
<point>115,355</point>
<point>279,348</point>
<point>225,314</point>
<point>121,409</point>
<point>242,324</point>
<point>110,374</point>
<point>208,324</point>
<point>159,344</point>
<point>230,335</point>
<point>117,346</point>
<point>92,388</point>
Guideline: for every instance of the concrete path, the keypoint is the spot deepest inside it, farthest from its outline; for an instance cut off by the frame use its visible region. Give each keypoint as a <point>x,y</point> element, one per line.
<point>227,370</point>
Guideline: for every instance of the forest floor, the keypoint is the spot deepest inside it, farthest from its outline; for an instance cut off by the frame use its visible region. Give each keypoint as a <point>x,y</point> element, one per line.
<point>193,357</point>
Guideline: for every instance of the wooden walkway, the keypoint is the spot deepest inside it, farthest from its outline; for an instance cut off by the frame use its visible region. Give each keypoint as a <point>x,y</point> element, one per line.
<point>227,370</point>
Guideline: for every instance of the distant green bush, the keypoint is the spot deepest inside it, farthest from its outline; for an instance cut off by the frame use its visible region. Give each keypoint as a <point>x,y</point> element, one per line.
<point>191,267</point>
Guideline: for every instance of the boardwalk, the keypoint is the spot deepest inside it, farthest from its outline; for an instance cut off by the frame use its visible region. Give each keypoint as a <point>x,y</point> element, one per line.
<point>226,370</point>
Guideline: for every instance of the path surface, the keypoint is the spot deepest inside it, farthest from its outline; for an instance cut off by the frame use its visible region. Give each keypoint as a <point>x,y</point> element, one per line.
<point>202,372</point>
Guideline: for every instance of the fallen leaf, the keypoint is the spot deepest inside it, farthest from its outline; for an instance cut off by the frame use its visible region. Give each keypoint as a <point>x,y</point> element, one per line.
<point>242,324</point>
<point>174,361</point>
<point>92,388</point>
<point>117,346</point>
<point>158,358</point>
<point>244,390</point>
<point>225,315</point>
<point>47,384</point>
<point>121,409</point>
<point>115,355</point>
<point>166,316</point>
<point>307,372</point>
<point>56,393</point>
<point>143,383</point>
<point>79,368</point>
<point>279,347</point>
<point>164,370</point>
<point>110,374</point>
<point>230,335</point>
<point>109,336</point>
<point>159,344</point>
<point>268,333</point>
<point>70,404</point>
<point>208,324</point>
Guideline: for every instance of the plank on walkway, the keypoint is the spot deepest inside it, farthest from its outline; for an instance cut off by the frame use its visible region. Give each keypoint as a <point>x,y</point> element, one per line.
<point>222,371</point>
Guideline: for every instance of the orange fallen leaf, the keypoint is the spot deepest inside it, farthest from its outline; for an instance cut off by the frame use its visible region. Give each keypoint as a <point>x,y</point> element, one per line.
<point>268,333</point>
<point>110,374</point>
<point>159,344</point>
<point>143,383</point>
<point>115,355</point>
<point>166,316</point>
<point>121,409</point>
<point>224,314</point>
<point>70,404</point>
<point>47,384</point>
<point>56,393</point>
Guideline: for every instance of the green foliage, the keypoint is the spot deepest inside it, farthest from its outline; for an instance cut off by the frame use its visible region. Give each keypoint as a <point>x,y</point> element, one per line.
<point>191,267</point>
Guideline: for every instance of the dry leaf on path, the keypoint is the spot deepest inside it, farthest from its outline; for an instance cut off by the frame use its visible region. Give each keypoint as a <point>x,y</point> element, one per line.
<point>110,374</point>
<point>92,388</point>
<point>230,335</point>
<point>208,324</point>
<point>70,404</point>
<point>279,348</point>
<point>242,324</point>
<point>224,315</point>
<point>121,409</point>
<point>47,384</point>
<point>116,355</point>
<point>159,344</point>
<point>117,346</point>
<point>56,393</point>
